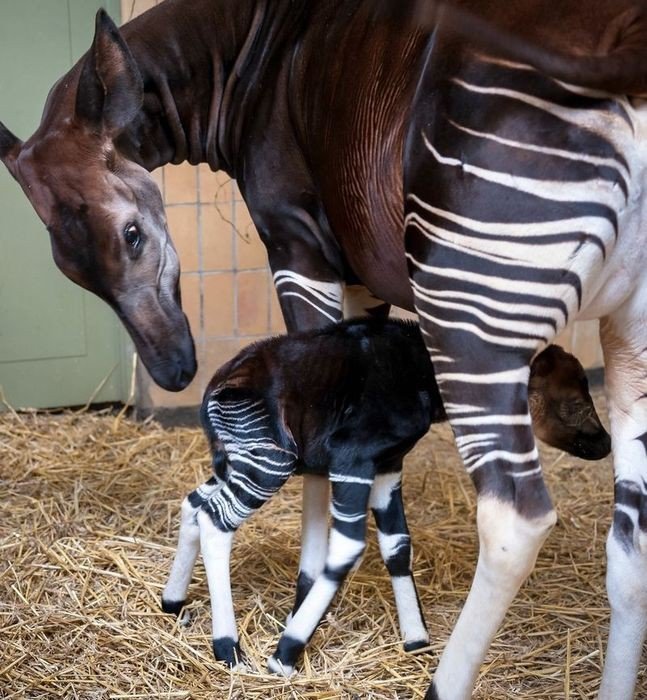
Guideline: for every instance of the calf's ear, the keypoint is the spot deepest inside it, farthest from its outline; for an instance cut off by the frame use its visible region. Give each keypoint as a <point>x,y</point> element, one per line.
<point>10,146</point>
<point>110,90</point>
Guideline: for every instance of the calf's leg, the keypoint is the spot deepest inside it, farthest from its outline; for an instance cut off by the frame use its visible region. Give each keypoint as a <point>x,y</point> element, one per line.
<point>395,547</point>
<point>314,535</point>
<point>261,457</point>
<point>346,545</point>
<point>188,546</point>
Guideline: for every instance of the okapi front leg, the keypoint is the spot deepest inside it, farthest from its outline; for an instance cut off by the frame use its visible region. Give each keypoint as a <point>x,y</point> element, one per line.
<point>625,352</point>
<point>188,547</point>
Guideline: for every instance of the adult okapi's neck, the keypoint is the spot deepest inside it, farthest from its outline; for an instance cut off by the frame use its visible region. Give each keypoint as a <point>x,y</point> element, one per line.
<point>191,56</point>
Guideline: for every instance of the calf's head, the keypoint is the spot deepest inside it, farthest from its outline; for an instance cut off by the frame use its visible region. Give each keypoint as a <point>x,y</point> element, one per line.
<point>103,212</point>
<point>563,414</point>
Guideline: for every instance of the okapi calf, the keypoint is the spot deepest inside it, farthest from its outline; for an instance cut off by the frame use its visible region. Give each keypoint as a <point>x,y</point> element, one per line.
<point>347,403</point>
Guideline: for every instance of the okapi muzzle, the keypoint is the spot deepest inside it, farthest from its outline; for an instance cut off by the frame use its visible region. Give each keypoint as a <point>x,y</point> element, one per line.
<point>104,213</point>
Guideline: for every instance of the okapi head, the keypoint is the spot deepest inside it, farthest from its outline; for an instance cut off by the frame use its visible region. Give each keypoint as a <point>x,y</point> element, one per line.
<point>103,212</point>
<point>563,414</point>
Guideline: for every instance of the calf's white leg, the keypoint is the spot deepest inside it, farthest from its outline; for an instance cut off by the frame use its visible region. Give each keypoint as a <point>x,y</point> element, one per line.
<point>188,547</point>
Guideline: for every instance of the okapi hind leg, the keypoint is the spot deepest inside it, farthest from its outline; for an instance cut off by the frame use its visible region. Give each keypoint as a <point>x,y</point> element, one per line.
<point>350,495</point>
<point>487,406</point>
<point>261,457</point>
<point>188,547</point>
<point>624,340</point>
<point>395,547</point>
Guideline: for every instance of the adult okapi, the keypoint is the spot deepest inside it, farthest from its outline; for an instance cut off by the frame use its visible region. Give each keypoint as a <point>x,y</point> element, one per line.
<point>523,206</point>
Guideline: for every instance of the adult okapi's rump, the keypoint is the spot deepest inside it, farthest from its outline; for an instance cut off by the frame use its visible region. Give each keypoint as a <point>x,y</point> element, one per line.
<point>523,203</point>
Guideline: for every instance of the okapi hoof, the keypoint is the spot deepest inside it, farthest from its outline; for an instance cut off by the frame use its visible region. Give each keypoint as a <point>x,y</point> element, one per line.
<point>415,645</point>
<point>174,607</point>
<point>227,650</point>
<point>285,657</point>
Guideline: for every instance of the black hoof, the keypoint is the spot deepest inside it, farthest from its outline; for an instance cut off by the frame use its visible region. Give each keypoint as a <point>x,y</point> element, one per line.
<point>286,655</point>
<point>173,607</point>
<point>414,646</point>
<point>227,650</point>
<point>432,693</point>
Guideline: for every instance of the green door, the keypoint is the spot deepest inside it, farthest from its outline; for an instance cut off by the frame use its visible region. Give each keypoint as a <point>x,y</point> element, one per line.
<point>57,342</point>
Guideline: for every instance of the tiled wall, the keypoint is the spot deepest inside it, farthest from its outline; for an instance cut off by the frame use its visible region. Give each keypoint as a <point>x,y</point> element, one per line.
<point>227,292</point>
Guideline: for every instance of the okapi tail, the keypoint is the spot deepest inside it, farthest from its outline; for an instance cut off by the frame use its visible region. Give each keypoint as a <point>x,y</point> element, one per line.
<point>622,70</point>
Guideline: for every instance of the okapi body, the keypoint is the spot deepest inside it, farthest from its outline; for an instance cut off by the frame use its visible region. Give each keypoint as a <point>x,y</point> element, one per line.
<point>346,404</point>
<point>515,146</point>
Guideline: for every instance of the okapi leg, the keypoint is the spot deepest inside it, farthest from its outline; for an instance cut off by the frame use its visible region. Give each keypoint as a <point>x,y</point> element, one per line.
<point>487,406</point>
<point>347,542</point>
<point>261,457</point>
<point>395,547</point>
<point>624,339</point>
<point>311,295</point>
<point>188,547</point>
<point>314,535</point>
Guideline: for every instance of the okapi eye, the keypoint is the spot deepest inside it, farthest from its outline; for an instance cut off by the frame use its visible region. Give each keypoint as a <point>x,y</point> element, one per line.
<point>132,235</point>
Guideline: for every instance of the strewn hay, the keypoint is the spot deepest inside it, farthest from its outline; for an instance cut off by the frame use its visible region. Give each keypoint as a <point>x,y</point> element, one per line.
<point>88,519</point>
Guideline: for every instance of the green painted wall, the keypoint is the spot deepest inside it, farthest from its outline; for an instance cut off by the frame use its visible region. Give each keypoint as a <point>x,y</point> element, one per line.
<point>57,342</point>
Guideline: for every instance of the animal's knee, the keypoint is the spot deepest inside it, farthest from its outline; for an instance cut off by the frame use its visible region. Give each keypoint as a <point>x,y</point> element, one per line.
<point>509,541</point>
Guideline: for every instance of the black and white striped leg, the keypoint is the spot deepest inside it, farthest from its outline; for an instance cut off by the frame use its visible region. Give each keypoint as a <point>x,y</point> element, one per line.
<point>395,547</point>
<point>487,406</point>
<point>261,457</point>
<point>314,535</point>
<point>347,542</point>
<point>188,547</point>
<point>625,352</point>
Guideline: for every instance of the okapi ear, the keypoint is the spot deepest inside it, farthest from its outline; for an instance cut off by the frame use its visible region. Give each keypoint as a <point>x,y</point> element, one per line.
<point>110,90</point>
<point>10,146</point>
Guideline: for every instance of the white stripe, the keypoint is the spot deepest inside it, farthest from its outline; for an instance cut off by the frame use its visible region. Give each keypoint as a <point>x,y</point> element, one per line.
<point>512,457</point>
<point>465,440</point>
<point>461,407</point>
<point>507,307</point>
<point>528,472</point>
<point>519,253</point>
<point>334,319</point>
<point>522,230</point>
<point>577,117</point>
<point>597,190</point>
<point>546,290</point>
<point>328,292</point>
<point>472,328</point>
<point>559,152</point>
<point>346,479</point>
<point>511,376</point>
<point>518,419</point>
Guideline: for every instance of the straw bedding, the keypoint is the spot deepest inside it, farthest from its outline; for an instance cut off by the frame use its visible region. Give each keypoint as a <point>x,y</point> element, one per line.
<point>88,520</point>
